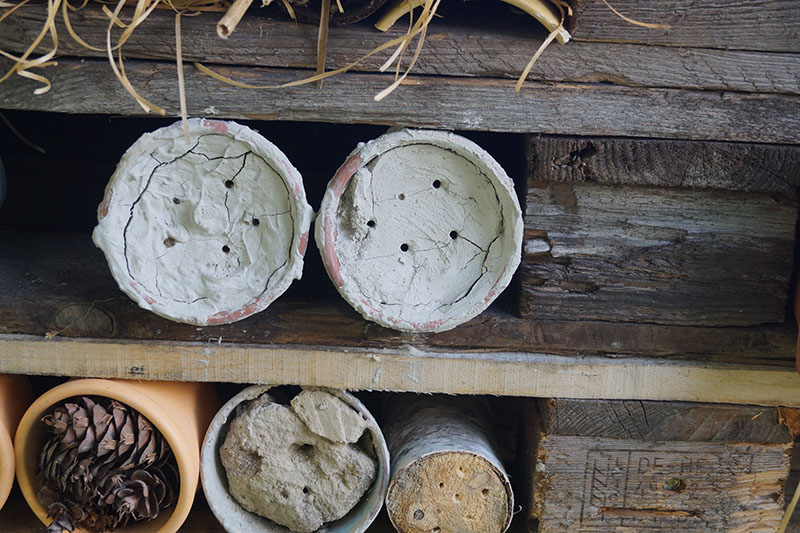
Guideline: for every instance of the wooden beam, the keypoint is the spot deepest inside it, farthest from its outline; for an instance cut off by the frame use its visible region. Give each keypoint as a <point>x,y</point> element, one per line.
<point>59,282</point>
<point>404,369</point>
<point>771,25</point>
<point>664,163</point>
<point>657,255</point>
<point>453,48</point>
<point>86,86</point>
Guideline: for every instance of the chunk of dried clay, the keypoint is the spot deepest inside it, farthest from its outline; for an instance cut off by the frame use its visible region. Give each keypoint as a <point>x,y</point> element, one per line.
<point>328,416</point>
<point>420,230</point>
<point>205,233</point>
<point>280,469</point>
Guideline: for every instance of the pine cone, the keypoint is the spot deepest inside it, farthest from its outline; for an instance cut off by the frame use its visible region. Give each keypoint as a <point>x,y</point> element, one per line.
<point>105,466</point>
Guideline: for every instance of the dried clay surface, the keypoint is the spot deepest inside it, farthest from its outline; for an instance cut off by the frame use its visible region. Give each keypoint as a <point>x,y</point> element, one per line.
<point>279,468</point>
<point>208,232</point>
<point>428,230</point>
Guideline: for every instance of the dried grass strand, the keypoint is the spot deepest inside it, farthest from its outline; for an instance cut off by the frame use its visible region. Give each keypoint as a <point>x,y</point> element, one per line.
<point>12,8</point>
<point>636,22</point>
<point>181,84</point>
<point>119,70</point>
<point>380,48</point>
<point>322,36</point>
<point>22,63</point>
<point>789,510</point>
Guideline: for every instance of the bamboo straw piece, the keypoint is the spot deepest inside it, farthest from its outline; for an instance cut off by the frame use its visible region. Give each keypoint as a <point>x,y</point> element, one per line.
<point>227,24</point>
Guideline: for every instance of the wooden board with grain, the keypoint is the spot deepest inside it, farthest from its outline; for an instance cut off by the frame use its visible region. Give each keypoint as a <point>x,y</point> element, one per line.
<point>413,368</point>
<point>665,163</point>
<point>453,48</point>
<point>772,25</point>
<point>645,466</point>
<point>656,255</point>
<point>84,86</point>
<point>60,283</point>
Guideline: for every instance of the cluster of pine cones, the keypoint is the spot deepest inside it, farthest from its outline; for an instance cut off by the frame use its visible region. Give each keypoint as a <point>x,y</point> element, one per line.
<point>104,466</point>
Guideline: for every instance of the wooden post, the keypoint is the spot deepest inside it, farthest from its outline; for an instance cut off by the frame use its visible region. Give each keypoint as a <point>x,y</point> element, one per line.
<point>446,474</point>
<point>632,466</point>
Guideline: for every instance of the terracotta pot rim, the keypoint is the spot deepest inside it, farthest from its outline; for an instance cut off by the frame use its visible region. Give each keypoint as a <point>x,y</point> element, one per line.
<point>7,466</point>
<point>212,472</point>
<point>128,394</point>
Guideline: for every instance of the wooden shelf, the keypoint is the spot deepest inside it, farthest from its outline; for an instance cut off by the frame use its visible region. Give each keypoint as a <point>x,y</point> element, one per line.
<point>58,285</point>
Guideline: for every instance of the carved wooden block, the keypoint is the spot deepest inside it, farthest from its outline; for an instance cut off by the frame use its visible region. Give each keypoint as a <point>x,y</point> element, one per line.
<point>672,232</point>
<point>667,466</point>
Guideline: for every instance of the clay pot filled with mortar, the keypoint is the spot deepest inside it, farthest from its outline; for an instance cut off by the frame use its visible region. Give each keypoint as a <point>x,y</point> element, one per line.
<point>205,232</point>
<point>420,230</point>
<point>15,397</point>
<point>131,449</point>
<point>277,460</point>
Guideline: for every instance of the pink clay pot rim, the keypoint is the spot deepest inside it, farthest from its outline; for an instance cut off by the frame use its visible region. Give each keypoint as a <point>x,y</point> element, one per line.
<point>127,393</point>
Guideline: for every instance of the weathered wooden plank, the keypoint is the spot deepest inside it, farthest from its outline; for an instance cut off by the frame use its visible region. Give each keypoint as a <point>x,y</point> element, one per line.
<point>666,421</point>
<point>61,283</point>
<point>647,466</point>
<point>665,163</point>
<point>601,485</point>
<point>452,49</point>
<point>755,25</point>
<point>85,86</point>
<point>412,368</point>
<point>669,256</point>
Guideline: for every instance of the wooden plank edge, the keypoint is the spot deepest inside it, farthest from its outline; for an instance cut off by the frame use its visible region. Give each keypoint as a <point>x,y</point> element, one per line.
<point>410,368</point>
<point>85,86</point>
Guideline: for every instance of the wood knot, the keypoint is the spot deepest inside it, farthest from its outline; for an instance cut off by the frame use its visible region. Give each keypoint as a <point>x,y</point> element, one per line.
<point>83,320</point>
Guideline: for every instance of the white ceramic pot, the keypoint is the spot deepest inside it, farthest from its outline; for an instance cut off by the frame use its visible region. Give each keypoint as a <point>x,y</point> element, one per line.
<point>205,233</point>
<point>420,230</point>
<point>234,518</point>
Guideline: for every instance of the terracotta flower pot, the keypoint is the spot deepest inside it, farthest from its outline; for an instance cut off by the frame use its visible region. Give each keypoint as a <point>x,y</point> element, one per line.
<point>15,396</point>
<point>234,518</point>
<point>420,230</point>
<point>180,411</point>
<point>205,233</point>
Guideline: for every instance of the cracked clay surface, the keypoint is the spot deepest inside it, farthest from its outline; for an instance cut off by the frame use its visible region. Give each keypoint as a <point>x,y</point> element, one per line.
<point>426,232</point>
<point>202,230</point>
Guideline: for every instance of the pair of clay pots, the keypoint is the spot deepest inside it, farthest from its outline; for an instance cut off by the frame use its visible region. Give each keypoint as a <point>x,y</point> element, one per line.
<point>418,230</point>
<point>182,412</point>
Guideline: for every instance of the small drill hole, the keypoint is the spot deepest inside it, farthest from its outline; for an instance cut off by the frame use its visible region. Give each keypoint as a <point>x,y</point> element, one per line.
<point>437,184</point>
<point>229,183</point>
<point>457,498</point>
<point>441,485</point>
<point>256,222</point>
<point>176,201</point>
<point>226,249</point>
<point>485,492</point>
<point>419,514</point>
<point>401,196</point>
<point>436,530</point>
<point>404,247</point>
<point>169,242</point>
<point>371,223</point>
<point>454,234</point>
<point>305,490</point>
